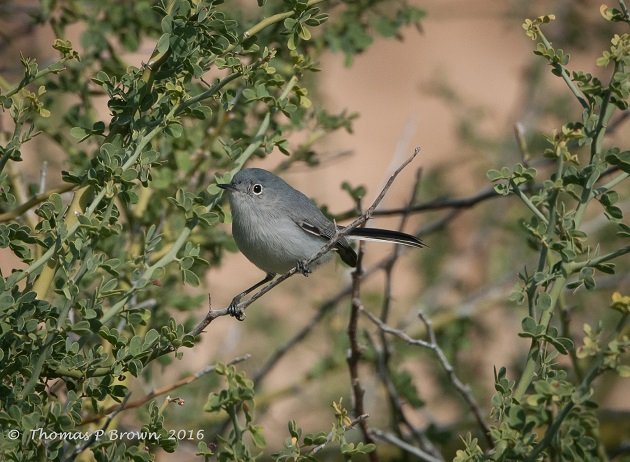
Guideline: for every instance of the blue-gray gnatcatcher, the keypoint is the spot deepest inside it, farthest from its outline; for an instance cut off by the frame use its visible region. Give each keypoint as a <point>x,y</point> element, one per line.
<point>278,228</point>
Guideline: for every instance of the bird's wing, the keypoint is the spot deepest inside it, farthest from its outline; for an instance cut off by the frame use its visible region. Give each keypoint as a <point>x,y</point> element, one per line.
<point>326,230</point>
<point>310,218</point>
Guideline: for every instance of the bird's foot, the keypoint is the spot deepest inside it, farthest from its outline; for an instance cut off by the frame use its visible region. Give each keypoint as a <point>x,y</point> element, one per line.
<point>303,268</point>
<point>235,310</point>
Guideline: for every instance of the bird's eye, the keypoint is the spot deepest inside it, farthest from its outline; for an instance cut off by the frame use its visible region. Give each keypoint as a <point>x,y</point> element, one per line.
<point>257,189</point>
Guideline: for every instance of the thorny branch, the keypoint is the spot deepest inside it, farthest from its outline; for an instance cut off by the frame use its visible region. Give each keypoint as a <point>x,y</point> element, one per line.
<point>441,204</point>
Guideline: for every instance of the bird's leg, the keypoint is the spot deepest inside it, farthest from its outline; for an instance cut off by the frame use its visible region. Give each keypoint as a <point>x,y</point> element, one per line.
<point>303,268</point>
<point>234,310</point>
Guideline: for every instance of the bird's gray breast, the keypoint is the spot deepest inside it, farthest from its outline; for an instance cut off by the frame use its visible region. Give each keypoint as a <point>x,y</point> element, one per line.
<point>270,238</point>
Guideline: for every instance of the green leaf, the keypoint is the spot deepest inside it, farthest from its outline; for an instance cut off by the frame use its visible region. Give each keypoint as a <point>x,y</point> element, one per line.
<point>530,327</point>
<point>190,278</point>
<point>614,213</point>
<point>6,301</point>
<point>543,301</point>
<point>315,439</point>
<point>150,338</point>
<point>363,448</point>
<point>609,198</point>
<point>135,346</point>
<point>294,430</point>
<point>129,175</point>
<point>289,24</point>
<point>562,344</point>
<point>347,448</point>
<point>82,328</point>
<point>135,367</point>
<point>110,335</point>
<point>213,403</point>
<point>304,33</point>
<point>79,133</point>
<point>256,432</point>
<point>291,42</point>
<point>162,46</point>
<point>406,387</point>
<point>175,129</point>
<point>203,449</point>
<point>620,159</point>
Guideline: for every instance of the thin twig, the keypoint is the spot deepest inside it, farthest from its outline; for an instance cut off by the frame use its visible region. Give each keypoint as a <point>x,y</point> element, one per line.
<point>279,353</point>
<point>43,176</point>
<point>462,389</point>
<point>456,203</point>
<point>354,355</point>
<point>393,439</point>
<point>396,332</point>
<point>396,402</point>
<point>161,391</point>
<point>384,372</point>
<point>331,435</point>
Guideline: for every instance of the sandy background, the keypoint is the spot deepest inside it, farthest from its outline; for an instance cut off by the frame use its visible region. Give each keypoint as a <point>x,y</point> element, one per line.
<point>477,53</point>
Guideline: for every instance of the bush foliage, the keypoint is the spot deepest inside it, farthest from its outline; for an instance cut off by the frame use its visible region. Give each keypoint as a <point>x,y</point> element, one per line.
<point>105,256</point>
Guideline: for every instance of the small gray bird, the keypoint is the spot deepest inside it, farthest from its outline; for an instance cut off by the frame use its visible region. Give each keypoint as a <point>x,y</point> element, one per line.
<point>278,228</point>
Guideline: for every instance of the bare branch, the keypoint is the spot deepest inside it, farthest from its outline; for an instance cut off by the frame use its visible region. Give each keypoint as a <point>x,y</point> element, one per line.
<point>462,389</point>
<point>383,368</point>
<point>440,204</point>
<point>279,353</point>
<point>354,355</point>
<point>393,439</point>
<point>33,201</point>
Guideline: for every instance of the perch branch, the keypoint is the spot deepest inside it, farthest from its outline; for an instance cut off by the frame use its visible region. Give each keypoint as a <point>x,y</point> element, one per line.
<point>213,314</point>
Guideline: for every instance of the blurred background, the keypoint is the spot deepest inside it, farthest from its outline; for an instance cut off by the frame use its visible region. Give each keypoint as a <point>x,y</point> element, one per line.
<point>456,88</point>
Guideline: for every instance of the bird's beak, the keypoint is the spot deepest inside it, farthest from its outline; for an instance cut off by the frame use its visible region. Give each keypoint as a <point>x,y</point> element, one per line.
<point>227,186</point>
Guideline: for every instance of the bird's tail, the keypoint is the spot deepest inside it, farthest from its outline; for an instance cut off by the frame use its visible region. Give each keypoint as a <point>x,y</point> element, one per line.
<point>385,235</point>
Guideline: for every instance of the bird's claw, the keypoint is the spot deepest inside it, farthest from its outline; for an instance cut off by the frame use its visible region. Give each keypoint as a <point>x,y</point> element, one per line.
<point>303,268</point>
<point>235,310</point>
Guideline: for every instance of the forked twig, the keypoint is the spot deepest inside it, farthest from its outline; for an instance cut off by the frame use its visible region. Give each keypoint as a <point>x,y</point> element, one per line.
<point>462,389</point>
